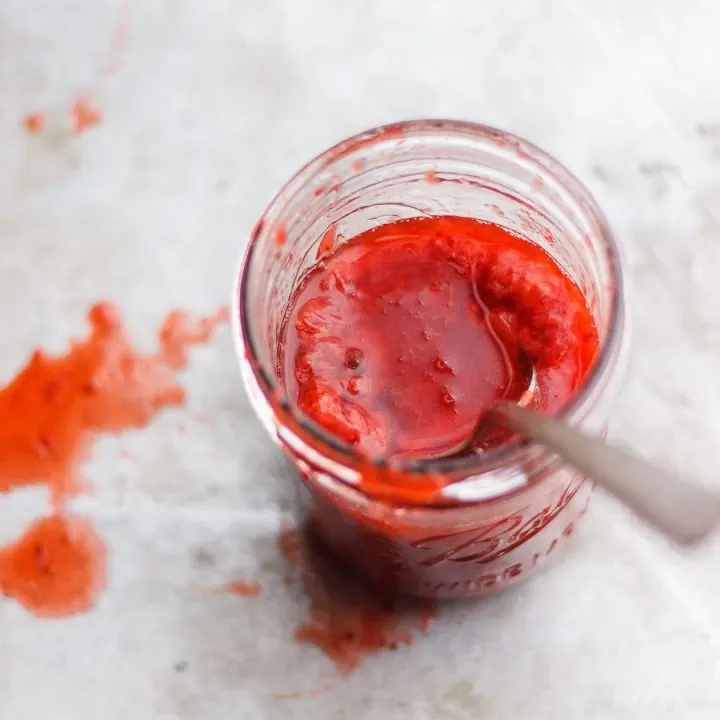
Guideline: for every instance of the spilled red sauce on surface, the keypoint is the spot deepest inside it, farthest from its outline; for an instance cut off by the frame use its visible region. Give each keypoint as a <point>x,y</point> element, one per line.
<point>57,567</point>
<point>181,331</point>
<point>34,123</point>
<point>400,338</point>
<point>243,588</point>
<point>84,116</point>
<point>54,408</point>
<point>348,620</point>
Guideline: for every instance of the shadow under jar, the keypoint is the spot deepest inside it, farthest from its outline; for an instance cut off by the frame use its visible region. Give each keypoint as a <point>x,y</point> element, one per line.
<point>504,511</point>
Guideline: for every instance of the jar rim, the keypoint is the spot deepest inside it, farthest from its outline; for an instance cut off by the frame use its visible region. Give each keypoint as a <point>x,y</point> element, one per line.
<point>508,455</point>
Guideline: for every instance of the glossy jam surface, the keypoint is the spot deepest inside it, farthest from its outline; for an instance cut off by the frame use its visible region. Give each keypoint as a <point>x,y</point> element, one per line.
<point>401,337</point>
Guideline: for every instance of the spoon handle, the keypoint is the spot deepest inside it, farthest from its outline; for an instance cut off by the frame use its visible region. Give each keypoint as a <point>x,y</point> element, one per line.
<point>686,513</point>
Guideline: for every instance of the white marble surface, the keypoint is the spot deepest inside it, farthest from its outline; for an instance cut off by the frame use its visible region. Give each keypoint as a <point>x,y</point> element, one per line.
<point>211,106</point>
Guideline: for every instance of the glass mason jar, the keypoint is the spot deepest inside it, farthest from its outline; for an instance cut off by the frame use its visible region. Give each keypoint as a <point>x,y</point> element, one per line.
<point>504,512</point>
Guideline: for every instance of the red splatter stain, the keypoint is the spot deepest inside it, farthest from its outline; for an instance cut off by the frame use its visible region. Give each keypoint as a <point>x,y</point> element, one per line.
<point>52,410</point>
<point>348,621</point>
<point>34,123</point>
<point>431,177</point>
<point>243,588</point>
<point>57,568</point>
<point>180,331</point>
<point>327,243</point>
<point>357,165</point>
<point>84,116</point>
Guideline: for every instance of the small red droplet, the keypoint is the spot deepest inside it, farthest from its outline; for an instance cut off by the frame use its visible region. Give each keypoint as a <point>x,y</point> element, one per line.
<point>34,123</point>
<point>84,116</point>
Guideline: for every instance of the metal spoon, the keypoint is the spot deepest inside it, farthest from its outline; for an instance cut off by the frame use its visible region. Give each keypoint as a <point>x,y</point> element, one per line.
<point>684,512</point>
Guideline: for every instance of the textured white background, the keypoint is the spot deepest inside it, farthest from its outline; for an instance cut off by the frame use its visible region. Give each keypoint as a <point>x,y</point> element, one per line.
<point>213,105</point>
